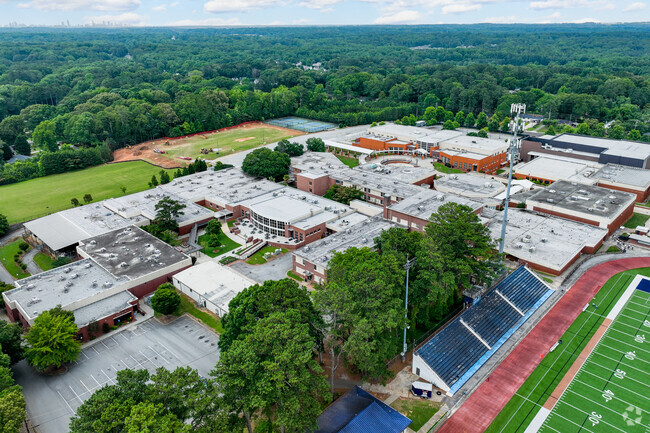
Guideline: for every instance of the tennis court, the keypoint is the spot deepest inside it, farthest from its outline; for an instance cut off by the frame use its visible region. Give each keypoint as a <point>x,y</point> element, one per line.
<point>300,124</point>
<point>610,392</point>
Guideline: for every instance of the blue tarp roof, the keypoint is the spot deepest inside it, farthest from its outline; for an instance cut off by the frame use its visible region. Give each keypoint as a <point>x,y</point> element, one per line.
<point>361,412</point>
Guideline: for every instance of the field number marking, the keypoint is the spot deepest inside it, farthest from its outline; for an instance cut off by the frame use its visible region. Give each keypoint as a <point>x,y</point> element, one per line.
<point>608,395</point>
<point>619,373</point>
<point>595,418</point>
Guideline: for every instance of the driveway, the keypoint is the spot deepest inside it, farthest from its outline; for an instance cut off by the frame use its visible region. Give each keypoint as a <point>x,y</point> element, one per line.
<point>28,259</point>
<point>52,400</point>
<point>276,269</point>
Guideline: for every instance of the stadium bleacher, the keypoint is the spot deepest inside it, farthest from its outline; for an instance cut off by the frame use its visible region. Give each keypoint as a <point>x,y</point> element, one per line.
<point>462,347</point>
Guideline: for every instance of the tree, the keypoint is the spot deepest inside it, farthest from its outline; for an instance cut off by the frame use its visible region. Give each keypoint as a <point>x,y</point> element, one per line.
<point>481,120</point>
<point>164,177</point>
<point>272,370</point>
<point>167,212</point>
<point>123,189</point>
<point>4,224</point>
<point>316,144</point>
<point>291,149</point>
<point>11,339</point>
<point>149,418</point>
<point>634,134</point>
<point>456,251</point>
<point>74,202</point>
<point>266,163</point>
<point>153,182</point>
<point>460,118</point>
<point>259,301</point>
<point>12,402</point>
<point>44,136</point>
<point>363,308</point>
<point>21,146</point>
<point>483,133</point>
<point>493,124</point>
<point>7,153</point>
<point>166,299</point>
<point>88,198</point>
<point>551,130</point>
<point>52,341</point>
<point>449,124</point>
<point>213,228</point>
<point>343,194</point>
<point>616,132</point>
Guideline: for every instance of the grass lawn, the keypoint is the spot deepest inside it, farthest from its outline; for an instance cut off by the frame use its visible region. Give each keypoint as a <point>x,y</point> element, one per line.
<point>258,257</point>
<point>636,220</point>
<point>231,223</point>
<point>7,257</point>
<point>419,411</point>
<point>188,306</point>
<point>499,171</point>
<point>350,162</point>
<point>228,245</point>
<point>522,408</point>
<point>613,249</point>
<point>293,275</point>
<point>43,261</point>
<point>34,198</point>
<point>442,168</point>
<point>227,141</point>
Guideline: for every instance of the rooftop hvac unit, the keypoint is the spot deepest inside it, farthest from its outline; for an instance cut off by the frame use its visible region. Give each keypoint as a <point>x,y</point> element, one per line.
<point>552,191</point>
<point>73,276</point>
<point>30,287</point>
<point>550,200</point>
<point>93,284</point>
<point>107,284</point>
<point>544,240</point>
<point>441,197</point>
<point>420,208</point>
<point>591,209</point>
<point>531,249</point>
<point>67,270</point>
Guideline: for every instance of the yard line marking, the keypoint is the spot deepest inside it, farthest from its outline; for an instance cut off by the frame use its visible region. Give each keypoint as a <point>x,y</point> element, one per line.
<point>609,369</point>
<point>623,363</point>
<point>624,352</point>
<point>588,414</point>
<point>614,384</point>
<point>66,402</point>
<point>628,344</point>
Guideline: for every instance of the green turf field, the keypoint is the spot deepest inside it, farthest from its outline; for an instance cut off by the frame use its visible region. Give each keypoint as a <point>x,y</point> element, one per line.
<point>34,198</point>
<point>226,141</point>
<point>524,405</point>
<point>610,392</point>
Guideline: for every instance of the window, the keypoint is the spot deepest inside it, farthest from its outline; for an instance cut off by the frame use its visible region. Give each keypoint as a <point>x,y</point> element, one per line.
<point>310,182</point>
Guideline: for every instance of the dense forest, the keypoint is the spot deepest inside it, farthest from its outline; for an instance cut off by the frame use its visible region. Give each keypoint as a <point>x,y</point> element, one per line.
<point>123,86</point>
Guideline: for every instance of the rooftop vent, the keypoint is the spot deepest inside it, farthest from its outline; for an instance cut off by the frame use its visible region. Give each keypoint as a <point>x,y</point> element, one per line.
<point>88,265</point>
<point>108,284</point>
<point>73,276</point>
<point>30,287</point>
<point>93,284</point>
<point>123,265</point>
<point>67,270</point>
<point>531,249</point>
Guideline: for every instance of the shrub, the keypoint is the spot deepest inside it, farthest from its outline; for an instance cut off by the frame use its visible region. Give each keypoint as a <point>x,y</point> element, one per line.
<point>23,266</point>
<point>166,299</point>
<point>23,246</point>
<point>60,261</point>
<point>227,260</point>
<point>106,328</point>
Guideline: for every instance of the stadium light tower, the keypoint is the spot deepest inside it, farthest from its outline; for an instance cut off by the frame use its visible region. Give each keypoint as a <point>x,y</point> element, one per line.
<point>515,109</point>
<point>408,265</point>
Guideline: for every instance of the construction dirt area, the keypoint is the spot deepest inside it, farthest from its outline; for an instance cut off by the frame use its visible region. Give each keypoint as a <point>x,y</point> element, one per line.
<point>178,152</point>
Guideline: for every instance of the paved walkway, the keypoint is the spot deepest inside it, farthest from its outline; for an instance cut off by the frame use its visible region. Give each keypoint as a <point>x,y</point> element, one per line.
<point>28,259</point>
<point>478,412</point>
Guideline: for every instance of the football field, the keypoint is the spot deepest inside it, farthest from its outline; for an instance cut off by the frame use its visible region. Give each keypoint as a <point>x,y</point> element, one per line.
<point>611,391</point>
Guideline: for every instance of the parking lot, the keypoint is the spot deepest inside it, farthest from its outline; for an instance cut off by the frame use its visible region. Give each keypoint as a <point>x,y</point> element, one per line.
<point>52,400</point>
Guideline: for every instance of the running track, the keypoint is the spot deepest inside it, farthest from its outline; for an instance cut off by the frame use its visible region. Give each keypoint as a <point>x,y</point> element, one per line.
<point>477,413</point>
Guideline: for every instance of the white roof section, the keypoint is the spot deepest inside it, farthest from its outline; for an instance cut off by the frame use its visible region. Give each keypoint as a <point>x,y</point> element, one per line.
<point>337,145</point>
<point>623,175</point>
<point>631,149</point>
<point>144,204</point>
<point>347,221</point>
<point>412,133</point>
<point>401,172</point>
<point>376,183</point>
<point>554,168</point>
<point>102,308</point>
<point>478,145</point>
<point>469,185</point>
<point>426,202</point>
<point>217,283</point>
<point>316,163</point>
<point>545,240</point>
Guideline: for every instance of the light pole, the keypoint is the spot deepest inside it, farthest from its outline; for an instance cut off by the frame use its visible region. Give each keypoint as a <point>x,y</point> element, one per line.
<point>517,109</point>
<point>408,265</point>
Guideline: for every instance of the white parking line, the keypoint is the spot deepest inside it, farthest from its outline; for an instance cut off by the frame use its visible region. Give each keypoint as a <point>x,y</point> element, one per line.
<point>66,403</point>
<point>80,381</point>
<point>96,381</point>
<point>148,359</point>
<point>158,353</point>
<point>109,379</point>
<point>75,394</point>
<point>138,362</point>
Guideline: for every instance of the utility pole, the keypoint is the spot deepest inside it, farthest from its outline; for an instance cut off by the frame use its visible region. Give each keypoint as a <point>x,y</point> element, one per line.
<point>408,265</point>
<point>517,109</point>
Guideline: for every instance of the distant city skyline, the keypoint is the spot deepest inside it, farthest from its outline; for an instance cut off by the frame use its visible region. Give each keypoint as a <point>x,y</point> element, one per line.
<point>315,12</point>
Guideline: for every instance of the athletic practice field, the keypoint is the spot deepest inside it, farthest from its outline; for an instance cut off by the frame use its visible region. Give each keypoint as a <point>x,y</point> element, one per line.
<point>222,143</point>
<point>34,198</point>
<point>611,392</point>
<point>548,380</point>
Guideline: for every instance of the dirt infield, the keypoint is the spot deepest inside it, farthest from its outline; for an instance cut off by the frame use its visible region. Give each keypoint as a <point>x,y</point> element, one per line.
<point>144,151</point>
<point>478,412</point>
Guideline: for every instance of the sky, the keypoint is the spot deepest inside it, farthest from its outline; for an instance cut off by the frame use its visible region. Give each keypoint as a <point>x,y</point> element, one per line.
<point>316,12</point>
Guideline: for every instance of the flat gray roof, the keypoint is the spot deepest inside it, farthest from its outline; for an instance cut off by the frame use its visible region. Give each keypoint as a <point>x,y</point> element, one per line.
<point>542,239</point>
<point>469,185</point>
<point>624,175</point>
<point>130,252</point>
<point>401,172</point>
<point>588,199</point>
<point>103,308</point>
<point>554,168</point>
<point>63,286</point>
<point>377,181</point>
<point>478,145</point>
<point>426,202</point>
<point>359,235</point>
<point>144,204</point>
<point>317,163</point>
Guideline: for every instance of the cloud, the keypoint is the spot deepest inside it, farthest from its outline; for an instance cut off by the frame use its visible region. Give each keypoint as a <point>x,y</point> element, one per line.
<point>585,20</point>
<point>300,22</point>
<point>565,4</point>
<point>319,4</point>
<point>219,6</point>
<point>159,8</point>
<point>70,5</point>
<point>207,22</point>
<point>459,8</point>
<point>502,20</point>
<point>634,7</point>
<point>402,17</point>
<point>125,19</point>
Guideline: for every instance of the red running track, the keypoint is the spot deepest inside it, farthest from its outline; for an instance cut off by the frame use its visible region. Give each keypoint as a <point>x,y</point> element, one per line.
<point>478,412</point>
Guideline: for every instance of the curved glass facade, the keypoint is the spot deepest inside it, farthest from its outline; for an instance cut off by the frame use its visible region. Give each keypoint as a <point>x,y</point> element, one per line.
<point>267,225</point>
